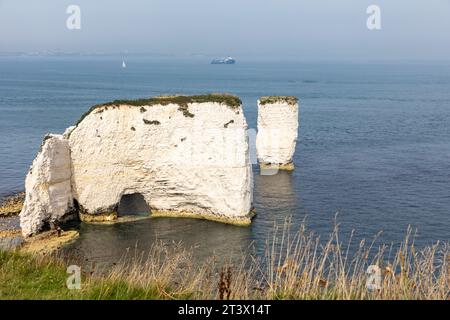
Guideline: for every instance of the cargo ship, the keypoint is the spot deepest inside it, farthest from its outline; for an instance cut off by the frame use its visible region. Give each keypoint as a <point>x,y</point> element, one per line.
<point>227,60</point>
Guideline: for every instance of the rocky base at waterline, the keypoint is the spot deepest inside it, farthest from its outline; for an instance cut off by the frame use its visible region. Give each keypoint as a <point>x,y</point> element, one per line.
<point>102,217</point>
<point>283,166</point>
<point>12,205</point>
<point>113,217</point>
<point>237,221</point>
<point>46,242</point>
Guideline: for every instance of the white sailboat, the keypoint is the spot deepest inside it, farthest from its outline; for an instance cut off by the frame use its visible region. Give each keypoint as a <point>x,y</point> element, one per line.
<point>124,64</point>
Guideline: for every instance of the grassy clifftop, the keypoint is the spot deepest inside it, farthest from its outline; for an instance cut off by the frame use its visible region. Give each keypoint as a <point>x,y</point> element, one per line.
<point>298,267</point>
<point>24,276</point>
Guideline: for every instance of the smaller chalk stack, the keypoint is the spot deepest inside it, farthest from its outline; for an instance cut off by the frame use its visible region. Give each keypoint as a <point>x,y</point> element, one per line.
<point>277,132</point>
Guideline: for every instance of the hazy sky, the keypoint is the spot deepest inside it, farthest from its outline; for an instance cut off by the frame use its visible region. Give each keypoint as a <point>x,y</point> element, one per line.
<point>329,29</point>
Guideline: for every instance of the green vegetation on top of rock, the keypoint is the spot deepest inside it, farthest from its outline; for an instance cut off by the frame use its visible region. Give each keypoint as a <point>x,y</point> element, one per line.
<point>183,101</point>
<point>227,99</point>
<point>277,99</point>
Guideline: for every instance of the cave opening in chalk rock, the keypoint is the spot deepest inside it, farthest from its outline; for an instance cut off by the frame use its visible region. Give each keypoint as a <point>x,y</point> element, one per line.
<point>133,205</point>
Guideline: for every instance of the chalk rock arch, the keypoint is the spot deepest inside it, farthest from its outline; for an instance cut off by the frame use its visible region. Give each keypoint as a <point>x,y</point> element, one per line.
<point>133,204</point>
<point>187,155</point>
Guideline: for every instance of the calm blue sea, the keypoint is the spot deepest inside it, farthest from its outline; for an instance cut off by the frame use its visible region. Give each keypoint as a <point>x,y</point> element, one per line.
<point>374,141</point>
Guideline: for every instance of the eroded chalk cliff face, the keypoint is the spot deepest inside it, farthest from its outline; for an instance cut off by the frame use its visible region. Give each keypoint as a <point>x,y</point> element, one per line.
<point>187,156</point>
<point>277,132</point>
<point>48,188</point>
<point>195,162</point>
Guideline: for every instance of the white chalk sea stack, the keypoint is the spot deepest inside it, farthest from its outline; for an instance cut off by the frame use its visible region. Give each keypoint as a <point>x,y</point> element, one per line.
<point>187,156</point>
<point>277,132</point>
<point>48,191</point>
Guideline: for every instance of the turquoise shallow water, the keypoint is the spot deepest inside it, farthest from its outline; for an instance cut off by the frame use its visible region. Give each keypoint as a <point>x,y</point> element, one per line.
<point>374,142</point>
